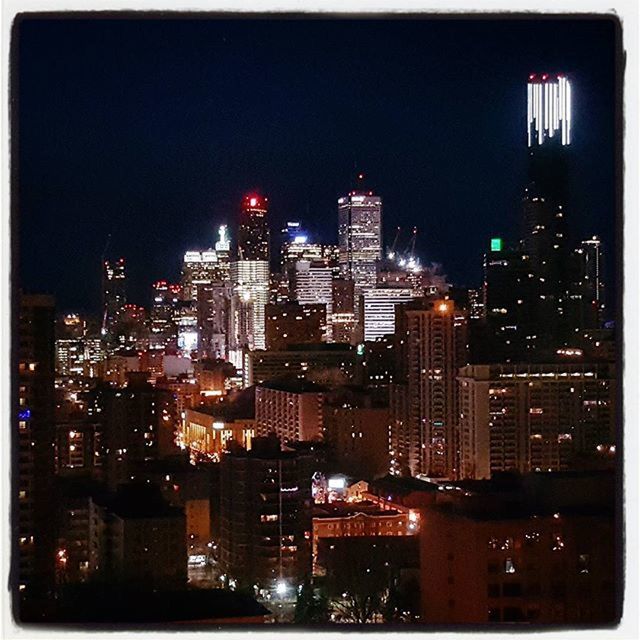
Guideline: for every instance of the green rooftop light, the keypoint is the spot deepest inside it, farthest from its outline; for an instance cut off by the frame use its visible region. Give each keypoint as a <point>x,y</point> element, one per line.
<point>496,244</point>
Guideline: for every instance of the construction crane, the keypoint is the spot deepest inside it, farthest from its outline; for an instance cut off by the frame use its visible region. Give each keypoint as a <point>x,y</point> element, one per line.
<point>392,252</point>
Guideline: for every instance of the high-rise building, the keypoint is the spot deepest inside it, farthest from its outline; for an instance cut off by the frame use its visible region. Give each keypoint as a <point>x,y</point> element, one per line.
<point>508,301</point>
<point>34,438</point>
<point>253,230</point>
<point>70,357</point>
<point>356,427</point>
<point>214,300</point>
<point>265,515</point>
<point>535,550</point>
<point>546,204</point>
<point>432,346</point>
<point>343,319</point>
<point>250,281</point>
<point>113,292</point>
<point>198,267</point>
<point>223,251</point>
<point>290,409</point>
<point>586,287</point>
<point>163,310</point>
<point>378,310</point>
<point>322,363</point>
<point>297,246</point>
<point>313,284</point>
<point>294,324</point>
<point>360,239</point>
<point>535,417</point>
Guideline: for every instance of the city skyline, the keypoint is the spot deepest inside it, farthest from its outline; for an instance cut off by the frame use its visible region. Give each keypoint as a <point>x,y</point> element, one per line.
<point>397,404</point>
<point>434,180</point>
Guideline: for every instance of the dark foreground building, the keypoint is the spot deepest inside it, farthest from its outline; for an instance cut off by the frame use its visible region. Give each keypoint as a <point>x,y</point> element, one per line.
<point>265,515</point>
<point>536,549</point>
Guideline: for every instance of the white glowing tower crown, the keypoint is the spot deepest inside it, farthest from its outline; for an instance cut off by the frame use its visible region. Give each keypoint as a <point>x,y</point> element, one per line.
<point>548,109</point>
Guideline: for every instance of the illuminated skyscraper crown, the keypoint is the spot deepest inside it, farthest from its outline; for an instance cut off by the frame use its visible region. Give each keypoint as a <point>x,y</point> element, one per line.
<point>548,109</point>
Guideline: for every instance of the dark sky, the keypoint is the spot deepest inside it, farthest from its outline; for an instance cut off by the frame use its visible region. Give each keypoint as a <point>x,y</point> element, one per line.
<point>151,131</point>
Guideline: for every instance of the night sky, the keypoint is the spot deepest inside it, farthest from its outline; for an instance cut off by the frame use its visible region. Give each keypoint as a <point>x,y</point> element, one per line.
<point>150,131</point>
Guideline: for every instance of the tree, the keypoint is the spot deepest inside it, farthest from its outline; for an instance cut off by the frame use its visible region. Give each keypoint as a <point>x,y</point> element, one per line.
<point>312,606</point>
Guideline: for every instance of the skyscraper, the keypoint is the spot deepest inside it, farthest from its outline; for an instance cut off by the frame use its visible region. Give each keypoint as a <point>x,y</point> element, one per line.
<point>432,346</point>
<point>378,306</point>
<point>312,284</point>
<point>586,288</point>
<point>34,440</point>
<point>360,239</point>
<point>546,202</point>
<point>113,292</point>
<point>250,279</point>
<point>253,230</point>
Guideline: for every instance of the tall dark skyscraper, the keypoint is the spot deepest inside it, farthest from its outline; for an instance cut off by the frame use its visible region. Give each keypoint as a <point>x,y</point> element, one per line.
<point>113,291</point>
<point>253,230</point>
<point>35,438</point>
<point>546,204</point>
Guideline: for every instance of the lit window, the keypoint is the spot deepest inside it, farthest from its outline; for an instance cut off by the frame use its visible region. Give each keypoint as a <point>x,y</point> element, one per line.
<point>509,567</point>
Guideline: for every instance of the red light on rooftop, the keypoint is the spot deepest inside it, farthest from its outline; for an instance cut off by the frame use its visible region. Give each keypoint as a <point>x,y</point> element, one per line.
<point>253,202</point>
<point>532,76</point>
<point>544,76</point>
<point>360,176</point>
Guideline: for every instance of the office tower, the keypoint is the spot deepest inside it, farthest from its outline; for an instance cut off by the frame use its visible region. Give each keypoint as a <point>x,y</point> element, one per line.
<point>313,284</point>
<point>70,357</point>
<point>213,304</point>
<point>34,438</point>
<point>377,310</point>
<point>223,251</point>
<point>265,515</point>
<point>163,308</point>
<point>535,417</point>
<point>546,204</point>
<point>508,303</point>
<point>198,267</point>
<point>253,230</point>
<point>294,324</point>
<point>93,357</point>
<point>536,550</point>
<point>297,246</point>
<point>360,239</point>
<point>113,292</point>
<point>130,329</point>
<point>432,346</point>
<point>586,288</point>
<point>250,280</point>
<point>185,318</point>
<point>290,409</point>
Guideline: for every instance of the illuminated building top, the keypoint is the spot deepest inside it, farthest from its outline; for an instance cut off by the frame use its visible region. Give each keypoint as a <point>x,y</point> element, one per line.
<point>548,109</point>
